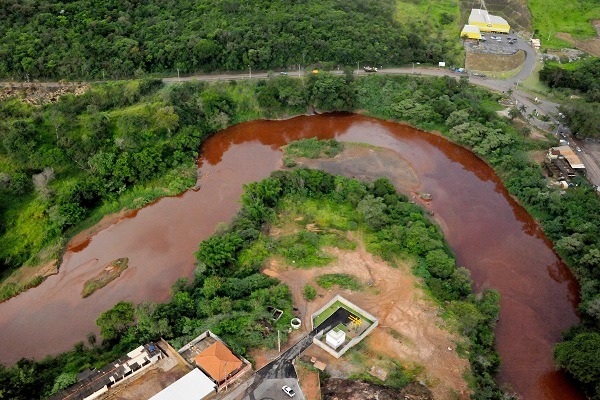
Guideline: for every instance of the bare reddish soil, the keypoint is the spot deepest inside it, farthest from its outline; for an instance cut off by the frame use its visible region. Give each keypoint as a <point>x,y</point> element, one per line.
<point>409,328</point>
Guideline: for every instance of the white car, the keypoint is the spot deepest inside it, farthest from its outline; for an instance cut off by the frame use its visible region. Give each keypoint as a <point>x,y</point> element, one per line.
<point>494,38</point>
<point>288,390</point>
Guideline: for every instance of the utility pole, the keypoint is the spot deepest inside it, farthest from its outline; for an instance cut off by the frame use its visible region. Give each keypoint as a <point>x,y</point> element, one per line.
<point>250,71</point>
<point>278,342</point>
<point>357,68</point>
<point>178,75</point>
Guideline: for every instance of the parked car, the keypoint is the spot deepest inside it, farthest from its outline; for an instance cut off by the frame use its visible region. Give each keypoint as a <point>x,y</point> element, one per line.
<point>288,390</point>
<point>283,73</point>
<point>494,37</point>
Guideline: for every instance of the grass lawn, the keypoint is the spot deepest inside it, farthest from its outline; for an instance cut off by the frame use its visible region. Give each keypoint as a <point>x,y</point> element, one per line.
<point>570,16</point>
<point>442,15</point>
<point>533,83</point>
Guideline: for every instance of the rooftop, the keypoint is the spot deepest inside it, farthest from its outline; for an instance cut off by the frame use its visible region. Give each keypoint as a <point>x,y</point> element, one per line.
<point>195,385</point>
<point>568,153</point>
<point>482,16</point>
<point>471,29</point>
<point>218,361</point>
<point>94,380</point>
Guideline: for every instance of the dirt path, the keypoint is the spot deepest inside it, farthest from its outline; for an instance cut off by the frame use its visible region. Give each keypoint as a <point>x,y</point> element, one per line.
<point>409,328</point>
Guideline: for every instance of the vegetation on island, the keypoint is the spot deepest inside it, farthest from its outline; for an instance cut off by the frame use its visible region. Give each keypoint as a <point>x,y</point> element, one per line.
<point>582,114</point>
<point>107,40</point>
<point>108,274</point>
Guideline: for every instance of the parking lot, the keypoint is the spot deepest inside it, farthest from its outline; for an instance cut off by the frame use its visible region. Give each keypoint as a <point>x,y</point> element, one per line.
<point>492,46</point>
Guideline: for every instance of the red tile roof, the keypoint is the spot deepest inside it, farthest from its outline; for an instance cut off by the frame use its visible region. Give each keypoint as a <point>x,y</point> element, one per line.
<point>218,361</point>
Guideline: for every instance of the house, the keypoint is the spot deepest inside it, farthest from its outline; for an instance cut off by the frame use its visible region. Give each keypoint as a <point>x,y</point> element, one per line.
<point>218,362</point>
<point>209,353</point>
<point>535,43</point>
<point>93,383</point>
<point>569,155</point>
<point>195,385</point>
<point>487,22</point>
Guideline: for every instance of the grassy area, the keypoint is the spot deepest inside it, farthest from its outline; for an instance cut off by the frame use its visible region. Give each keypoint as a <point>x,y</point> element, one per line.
<point>309,225</point>
<point>104,277</point>
<point>440,17</point>
<point>343,281</point>
<point>314,148</point>
<point>363,359</point>
<point>533,83</point>
<point>569,16</point>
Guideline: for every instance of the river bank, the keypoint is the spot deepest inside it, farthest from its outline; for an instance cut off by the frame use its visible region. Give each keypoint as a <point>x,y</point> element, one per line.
<point>490,233</point>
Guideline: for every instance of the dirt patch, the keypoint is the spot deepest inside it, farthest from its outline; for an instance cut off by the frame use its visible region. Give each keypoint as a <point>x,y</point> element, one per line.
<point>39,94</point>
<point>368,163</point>
<point>590,45</point>
<point>343,389</point>
<point>309,382</point>
<point>538,156</point>
<point>493,62</point>
<point>409,327</point>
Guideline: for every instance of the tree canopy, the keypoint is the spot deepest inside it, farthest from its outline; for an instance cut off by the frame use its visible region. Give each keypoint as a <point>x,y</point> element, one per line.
<point>82,39</point>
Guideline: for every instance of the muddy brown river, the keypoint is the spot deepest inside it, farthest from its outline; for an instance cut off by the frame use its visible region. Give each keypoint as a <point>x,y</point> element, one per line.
<point>490,233</point>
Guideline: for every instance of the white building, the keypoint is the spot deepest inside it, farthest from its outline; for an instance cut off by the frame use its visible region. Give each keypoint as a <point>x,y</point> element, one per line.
<point>195,385</point>
<point>335,338</point>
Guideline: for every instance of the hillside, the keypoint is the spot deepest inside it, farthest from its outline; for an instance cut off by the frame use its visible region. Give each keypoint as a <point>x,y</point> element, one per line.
<point>107,39</point>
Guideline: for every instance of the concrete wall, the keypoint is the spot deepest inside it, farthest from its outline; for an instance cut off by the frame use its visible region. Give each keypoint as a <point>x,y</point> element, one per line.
<point>351,343</point>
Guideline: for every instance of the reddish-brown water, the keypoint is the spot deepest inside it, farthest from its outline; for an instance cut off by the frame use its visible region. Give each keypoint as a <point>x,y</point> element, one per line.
<point>491,235</point>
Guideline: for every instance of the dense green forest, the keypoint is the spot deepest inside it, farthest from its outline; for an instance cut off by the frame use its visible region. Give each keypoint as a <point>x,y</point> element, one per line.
<point>115,39</point>
<point>582,115</point>
<point>230,297</point>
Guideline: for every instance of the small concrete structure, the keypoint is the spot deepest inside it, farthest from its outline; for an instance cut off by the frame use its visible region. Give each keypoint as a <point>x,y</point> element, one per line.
<point>335,338</point>
<point>535,43</point>
<point>335,343</point>
<point>195,385</point>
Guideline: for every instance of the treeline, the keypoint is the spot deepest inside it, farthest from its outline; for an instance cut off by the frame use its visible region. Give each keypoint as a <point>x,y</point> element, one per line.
<point>571,219</point>
<point>121,145</point>
<point>582,115</point>
<point>115,39</point>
